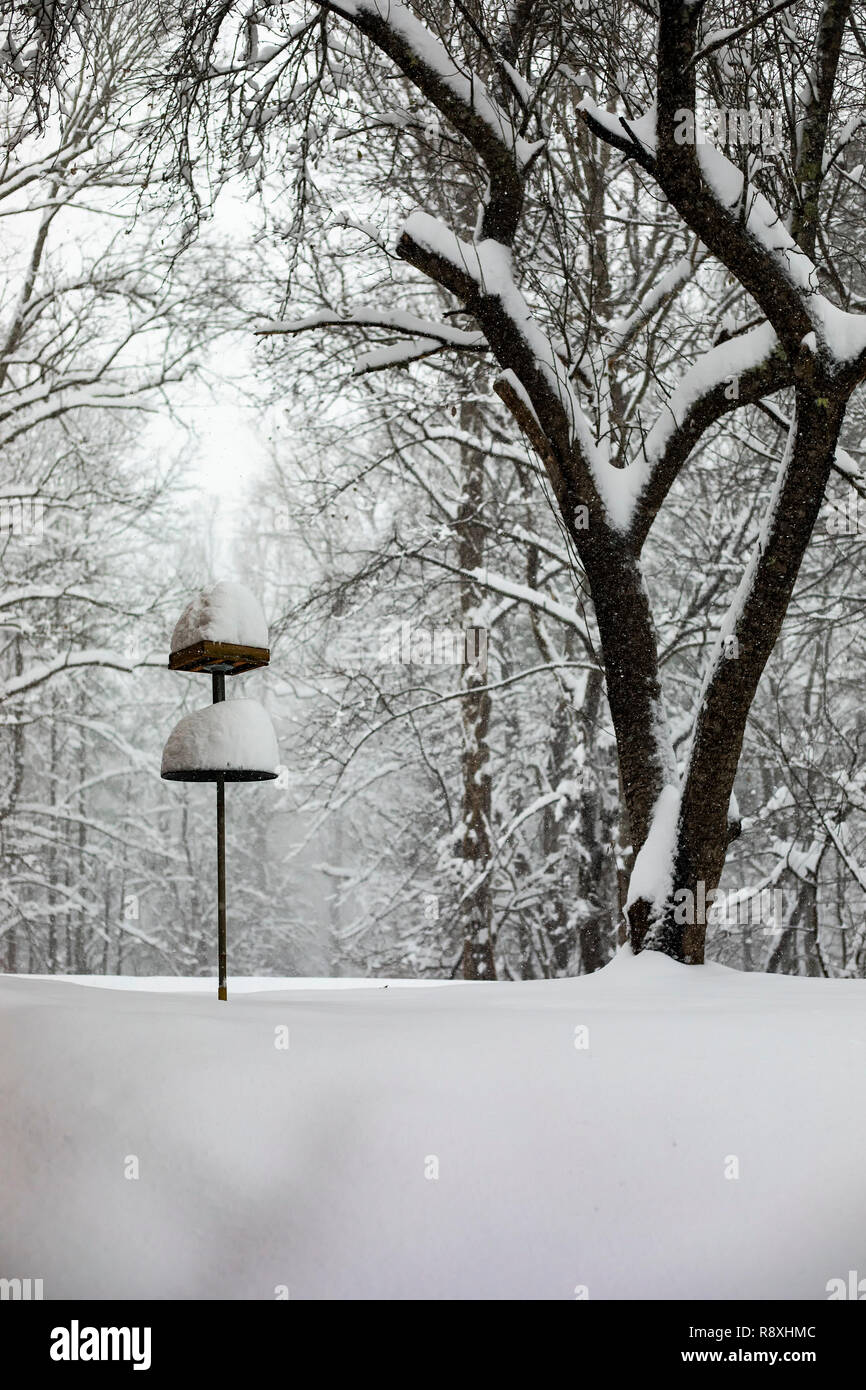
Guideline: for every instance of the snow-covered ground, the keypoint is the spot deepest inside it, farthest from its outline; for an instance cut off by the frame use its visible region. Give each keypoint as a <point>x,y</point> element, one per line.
<point>449,1141</point>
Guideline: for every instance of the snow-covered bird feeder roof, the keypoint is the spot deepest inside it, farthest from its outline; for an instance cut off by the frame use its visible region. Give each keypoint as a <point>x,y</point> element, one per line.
<point>232,741</point>
<point>222,629</point>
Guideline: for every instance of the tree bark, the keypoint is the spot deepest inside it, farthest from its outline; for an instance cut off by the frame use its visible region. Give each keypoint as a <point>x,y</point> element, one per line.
<point>476,848</point>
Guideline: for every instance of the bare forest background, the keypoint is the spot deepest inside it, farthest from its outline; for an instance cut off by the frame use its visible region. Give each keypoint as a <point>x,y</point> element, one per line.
<point>181,241</point>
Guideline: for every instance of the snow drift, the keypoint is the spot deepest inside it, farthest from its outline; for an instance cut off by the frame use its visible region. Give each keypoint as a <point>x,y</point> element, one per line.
<point>461,1141</point>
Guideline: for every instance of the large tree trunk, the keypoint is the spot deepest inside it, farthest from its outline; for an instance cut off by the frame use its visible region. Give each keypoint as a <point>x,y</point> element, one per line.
<point>704,831</point>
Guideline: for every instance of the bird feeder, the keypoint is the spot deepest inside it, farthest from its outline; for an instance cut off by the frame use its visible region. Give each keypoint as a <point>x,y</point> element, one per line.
<point>222,632</point>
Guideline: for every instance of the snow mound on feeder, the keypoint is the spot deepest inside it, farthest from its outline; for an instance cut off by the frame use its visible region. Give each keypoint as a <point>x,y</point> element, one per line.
<point>232,736</point>
<point>227,612</point>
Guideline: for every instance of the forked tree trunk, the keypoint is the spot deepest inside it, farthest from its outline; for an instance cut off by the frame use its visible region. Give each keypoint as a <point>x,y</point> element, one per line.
<point>704,832</point>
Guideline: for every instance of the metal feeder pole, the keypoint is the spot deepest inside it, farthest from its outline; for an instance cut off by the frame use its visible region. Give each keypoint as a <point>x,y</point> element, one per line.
<point>219,694</point>
<point>220,659</point>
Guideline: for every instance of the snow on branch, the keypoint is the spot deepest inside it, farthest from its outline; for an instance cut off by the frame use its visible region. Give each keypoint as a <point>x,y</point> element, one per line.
<point>741,371</point>
<point>427,337</point>
<point>845,137</point>
<point>396,355</point>
<point>761,220</point>
<point>637,137</point>
<point>92,656</point>
<point>722,38</point>
<point>621,331</point>
<point>723,180</point>
<point>459,95</point>
<point>482,273</point>
<point>523,594</point>
<point>429,54</point>
<point>740,226</point>
<point>11,598</point>
<point>725,363</point>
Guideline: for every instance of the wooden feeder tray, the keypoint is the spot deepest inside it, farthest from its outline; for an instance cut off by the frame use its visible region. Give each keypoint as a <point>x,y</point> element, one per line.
<point>229,658</point>
<point>214,774</point>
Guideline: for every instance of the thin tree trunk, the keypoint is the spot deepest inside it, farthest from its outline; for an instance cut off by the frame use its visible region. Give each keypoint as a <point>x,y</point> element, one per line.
<point>476,900</point>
